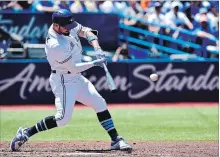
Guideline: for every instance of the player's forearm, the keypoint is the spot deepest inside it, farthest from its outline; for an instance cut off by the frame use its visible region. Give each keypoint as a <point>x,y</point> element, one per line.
<point>73,67</point>
<point>92,39</point>
<point>95,44</point>
<point>78,67</point>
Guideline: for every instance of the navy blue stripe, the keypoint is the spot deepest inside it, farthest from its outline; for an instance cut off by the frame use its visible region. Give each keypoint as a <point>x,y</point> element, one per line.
<point>64,95</point>
<point>64,98</point>
<point>42,124</point>
<point>39,127</point>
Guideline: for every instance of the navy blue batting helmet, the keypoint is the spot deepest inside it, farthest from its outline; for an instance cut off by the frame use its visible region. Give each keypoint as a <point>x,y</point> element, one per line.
<point>64,18</point>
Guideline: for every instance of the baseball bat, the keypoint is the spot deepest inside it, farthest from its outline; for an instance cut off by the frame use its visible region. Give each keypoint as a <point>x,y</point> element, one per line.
<point>110,80</point>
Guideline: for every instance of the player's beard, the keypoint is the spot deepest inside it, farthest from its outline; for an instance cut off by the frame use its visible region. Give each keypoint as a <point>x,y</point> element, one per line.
<point>66,33</point>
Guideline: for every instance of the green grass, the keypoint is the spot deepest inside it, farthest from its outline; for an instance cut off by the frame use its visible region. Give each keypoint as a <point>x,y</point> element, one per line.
<point>153,124</point>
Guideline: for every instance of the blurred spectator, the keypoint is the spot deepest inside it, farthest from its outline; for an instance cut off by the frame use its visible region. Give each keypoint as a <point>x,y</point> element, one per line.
<point>214,49</point>
<point>156,18</point>
<point>120,6</point>
<point>13,5</point>
<point>205,36</point>
<point>213,13</point>
<point>166,6</point>
<point>145,3</point>
<point>139,8</point>
<point>64,4</point>
<point>91,6</point>
<point>9,40</point>
<point>203,30</point>
<point>45,5</point>
<point>187,10</point>
<point>194,7</point>
<point>213,10</point>
<point>4,42</point>
<point>76,7</point>
<point>26,5</point>
<point>121,53</point>
<point>3,5</point>
<point>128,13</point>
<point>131,12</point>
<point>175,18</point>
<point>211,19</point>
<point>107,7</point>
<point>205,4</point>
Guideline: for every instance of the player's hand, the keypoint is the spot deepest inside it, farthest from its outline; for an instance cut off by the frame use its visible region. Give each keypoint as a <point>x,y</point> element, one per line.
<point>100,62</point>
<point>100,56</point>
<point>99,53</point>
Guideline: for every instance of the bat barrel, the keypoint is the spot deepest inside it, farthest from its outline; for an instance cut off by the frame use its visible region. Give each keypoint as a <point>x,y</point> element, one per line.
<point>110,80</point>
<point>105,68</point>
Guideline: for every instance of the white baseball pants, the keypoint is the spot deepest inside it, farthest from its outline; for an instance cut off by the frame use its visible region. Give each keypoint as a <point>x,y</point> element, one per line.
<point>69,88</point>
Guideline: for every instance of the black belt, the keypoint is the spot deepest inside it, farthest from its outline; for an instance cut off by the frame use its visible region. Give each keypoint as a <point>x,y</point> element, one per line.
<point>54,71</point>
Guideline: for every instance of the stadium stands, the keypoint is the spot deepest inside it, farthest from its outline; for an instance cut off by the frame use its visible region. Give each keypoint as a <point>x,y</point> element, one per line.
<point>149,28</point>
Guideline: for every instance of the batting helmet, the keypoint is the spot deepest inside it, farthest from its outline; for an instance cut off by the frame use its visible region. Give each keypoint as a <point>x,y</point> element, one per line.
<point>64,18</point>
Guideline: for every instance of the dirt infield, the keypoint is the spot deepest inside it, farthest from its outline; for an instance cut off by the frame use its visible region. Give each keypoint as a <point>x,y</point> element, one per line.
<point>142,149</point>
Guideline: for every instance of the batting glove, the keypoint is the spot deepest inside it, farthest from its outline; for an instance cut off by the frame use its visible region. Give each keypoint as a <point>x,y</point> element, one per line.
<point>99,53</point>
<point>100,62</point>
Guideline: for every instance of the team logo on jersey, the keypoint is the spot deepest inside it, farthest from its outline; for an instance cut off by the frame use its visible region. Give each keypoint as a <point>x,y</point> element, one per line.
<point>71,46</point>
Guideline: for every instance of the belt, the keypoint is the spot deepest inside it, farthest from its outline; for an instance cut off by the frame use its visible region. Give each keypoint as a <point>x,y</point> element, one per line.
<point>54,71</point>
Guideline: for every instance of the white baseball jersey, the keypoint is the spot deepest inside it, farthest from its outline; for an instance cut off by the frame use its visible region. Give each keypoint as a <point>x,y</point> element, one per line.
<point>68,88</point>
<point>60,49</point>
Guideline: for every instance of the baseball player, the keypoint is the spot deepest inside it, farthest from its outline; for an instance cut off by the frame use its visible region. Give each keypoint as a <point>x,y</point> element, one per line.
<point>64,54</point>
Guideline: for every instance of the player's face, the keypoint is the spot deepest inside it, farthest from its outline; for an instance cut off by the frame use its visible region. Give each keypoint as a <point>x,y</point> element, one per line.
<point>64,31</point>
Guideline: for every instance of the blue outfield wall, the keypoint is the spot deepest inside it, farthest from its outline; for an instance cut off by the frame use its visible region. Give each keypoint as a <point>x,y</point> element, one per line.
<point>27,82</point>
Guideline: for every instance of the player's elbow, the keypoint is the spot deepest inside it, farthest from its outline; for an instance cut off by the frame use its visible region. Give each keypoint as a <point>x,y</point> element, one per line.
<point>89,34</point>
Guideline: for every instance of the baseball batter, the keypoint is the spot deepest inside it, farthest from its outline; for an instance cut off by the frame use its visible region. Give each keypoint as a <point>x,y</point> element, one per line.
<point>64,54</point>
